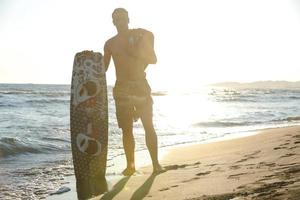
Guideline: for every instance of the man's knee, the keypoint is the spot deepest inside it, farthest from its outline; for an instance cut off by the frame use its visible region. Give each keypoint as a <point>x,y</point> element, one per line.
<point>127,131</point>
<point>147,123</point>
<point>149,129</point>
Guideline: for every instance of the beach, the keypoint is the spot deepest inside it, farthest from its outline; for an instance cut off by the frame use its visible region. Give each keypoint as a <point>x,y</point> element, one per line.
<point>35,148</point>
<point>261,166</point>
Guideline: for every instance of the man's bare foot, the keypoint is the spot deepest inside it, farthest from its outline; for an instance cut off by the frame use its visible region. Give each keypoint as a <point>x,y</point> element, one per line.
<point>158,169</point>
<point>128,171</point>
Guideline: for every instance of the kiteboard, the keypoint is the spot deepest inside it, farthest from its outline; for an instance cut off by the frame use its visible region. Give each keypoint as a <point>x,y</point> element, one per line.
<point>89,123</point>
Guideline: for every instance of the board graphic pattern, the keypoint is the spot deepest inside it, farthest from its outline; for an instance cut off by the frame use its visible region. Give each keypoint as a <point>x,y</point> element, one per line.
<point>89,123</point>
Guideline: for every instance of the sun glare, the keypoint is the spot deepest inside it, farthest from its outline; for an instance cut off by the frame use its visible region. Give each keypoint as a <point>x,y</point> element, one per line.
<point>183,109</point>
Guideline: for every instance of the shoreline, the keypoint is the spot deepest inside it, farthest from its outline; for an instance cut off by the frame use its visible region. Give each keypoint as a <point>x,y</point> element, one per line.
<point>206,164</point>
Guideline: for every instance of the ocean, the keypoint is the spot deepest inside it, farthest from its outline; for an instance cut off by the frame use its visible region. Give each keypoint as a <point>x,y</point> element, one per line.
<point>35,150</point>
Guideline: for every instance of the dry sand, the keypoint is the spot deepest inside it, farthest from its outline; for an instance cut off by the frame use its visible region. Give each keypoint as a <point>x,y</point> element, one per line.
<point>262,166</point>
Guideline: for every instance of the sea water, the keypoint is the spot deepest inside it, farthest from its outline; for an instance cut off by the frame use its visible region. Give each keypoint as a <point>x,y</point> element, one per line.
<point>35,150</point>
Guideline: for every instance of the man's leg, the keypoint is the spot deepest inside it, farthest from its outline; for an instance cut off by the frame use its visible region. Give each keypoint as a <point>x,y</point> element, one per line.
<point>129,144</point>
<point>151,141</point>
<point>124,112</point>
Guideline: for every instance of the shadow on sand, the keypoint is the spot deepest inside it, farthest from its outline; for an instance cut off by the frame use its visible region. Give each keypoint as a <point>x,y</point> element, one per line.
<point>140,193</point>
<point>116,189</point>
<point>144,189</point>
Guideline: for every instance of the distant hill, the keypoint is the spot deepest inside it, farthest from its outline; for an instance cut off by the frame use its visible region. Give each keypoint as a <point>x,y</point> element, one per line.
<point>260,84</point>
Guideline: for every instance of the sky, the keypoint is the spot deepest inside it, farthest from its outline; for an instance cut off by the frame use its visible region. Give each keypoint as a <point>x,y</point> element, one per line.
<point>196,42</point>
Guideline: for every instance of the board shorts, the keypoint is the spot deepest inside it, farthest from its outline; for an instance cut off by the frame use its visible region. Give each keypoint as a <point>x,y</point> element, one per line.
<point>133,100</point>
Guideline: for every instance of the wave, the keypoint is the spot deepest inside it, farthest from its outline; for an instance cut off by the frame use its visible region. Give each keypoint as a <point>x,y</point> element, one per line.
<point>38,93</point>
<point>222,99</point>
<point>218,124</point>
<point>233,97</point>
<point>252,95</point>
<point>289,119</point>
<point>14,146</point>
<point>159,93</point>
<point>15,103</point>
<point>55,139</point>
<point>222,124</point>
<point>253,99</point>
<point>6,104</point>
<point>294,97</point>
<point>48,101</point>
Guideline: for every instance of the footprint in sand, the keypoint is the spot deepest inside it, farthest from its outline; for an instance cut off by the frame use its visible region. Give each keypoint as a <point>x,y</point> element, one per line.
<point>268,177</point>
<point>189,180</point>
<point>250,164</point>
<point>237,176</point>
<point>288,164</point>
<point>175,167</point>
<point>168,188</point>
<point>288,155</point>
<point>276,148</point>
<point>164,189</point>
<point>196,178</point>
<point>203,173</point>
<point>234,167</point>
<point>297,139</point>
<point>211,165</point>
<point>265,164</point>
<point>285,144</point>
<point>249,156</point>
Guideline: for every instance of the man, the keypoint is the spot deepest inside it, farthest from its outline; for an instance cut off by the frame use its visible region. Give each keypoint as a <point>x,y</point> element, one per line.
<point>132,50</point>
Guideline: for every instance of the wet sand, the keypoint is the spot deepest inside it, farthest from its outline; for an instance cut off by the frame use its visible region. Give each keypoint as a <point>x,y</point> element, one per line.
<point>261,166</point>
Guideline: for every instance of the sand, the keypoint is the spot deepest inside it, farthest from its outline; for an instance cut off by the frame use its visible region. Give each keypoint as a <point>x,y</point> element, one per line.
<point>261,166</point>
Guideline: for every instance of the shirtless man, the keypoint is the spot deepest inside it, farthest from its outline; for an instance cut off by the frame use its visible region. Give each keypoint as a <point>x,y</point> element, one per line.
<point>132,50</point>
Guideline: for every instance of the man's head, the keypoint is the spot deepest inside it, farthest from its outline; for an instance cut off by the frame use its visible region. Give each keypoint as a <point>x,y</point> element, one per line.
<point>120,19</point>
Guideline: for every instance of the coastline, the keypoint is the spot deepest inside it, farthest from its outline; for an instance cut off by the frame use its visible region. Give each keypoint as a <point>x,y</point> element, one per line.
<point>264,165</point>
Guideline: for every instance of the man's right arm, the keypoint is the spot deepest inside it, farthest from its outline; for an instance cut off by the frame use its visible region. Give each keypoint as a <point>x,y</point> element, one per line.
<point>150,56</point>
<point>146,47</point>
<point>107,55</point>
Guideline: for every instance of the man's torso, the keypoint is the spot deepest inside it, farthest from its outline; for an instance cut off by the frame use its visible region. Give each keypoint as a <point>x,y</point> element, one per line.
<point>128,67</point>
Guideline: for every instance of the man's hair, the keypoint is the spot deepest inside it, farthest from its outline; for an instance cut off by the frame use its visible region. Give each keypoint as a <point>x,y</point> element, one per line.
<point>118,11</point>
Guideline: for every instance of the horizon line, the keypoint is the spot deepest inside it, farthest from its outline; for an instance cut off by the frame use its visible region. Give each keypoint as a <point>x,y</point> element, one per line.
<point>26,83</point>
